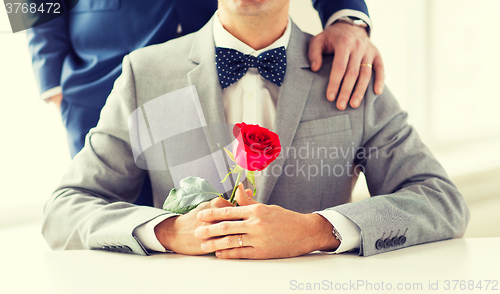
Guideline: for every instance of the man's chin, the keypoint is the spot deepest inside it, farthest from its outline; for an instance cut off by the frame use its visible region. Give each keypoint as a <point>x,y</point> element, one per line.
<point>248,7</point>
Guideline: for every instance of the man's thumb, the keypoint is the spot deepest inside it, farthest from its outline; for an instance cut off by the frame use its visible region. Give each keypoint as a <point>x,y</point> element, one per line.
<point>244,197</point>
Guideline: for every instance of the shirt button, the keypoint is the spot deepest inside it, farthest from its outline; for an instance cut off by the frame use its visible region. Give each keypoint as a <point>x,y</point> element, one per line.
<point>249,96</point>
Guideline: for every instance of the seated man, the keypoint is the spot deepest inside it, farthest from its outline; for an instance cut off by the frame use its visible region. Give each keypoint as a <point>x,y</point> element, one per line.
<point>303,199</point>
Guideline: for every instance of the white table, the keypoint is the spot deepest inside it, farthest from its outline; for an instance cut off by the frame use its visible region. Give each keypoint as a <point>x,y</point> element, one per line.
<point>105,272</point>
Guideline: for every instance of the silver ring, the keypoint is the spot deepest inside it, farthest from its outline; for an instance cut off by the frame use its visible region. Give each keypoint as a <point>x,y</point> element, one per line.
<point>240,241</point>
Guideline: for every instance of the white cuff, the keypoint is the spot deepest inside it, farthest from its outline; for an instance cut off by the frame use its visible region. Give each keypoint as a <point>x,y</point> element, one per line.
<point>51,92</point>
<point>348,230</point>
<point>146,234</point>
<point>350,12</point>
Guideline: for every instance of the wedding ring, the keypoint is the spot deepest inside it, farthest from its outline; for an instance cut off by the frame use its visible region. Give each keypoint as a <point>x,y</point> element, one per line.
<point>366,64</point>
<point>241,241</point>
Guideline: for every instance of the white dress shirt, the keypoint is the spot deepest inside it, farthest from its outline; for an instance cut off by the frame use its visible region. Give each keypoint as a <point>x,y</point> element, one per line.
<point>253,99</point>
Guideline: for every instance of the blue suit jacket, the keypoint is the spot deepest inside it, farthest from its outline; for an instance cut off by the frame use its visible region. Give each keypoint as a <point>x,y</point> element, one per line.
<point>82,51</point>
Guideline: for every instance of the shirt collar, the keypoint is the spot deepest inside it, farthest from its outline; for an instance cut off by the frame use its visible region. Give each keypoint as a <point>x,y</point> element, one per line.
<point>224,39</point>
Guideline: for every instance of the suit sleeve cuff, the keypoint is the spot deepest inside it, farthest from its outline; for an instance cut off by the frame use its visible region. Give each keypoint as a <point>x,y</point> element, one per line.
<point>350,12</point>
<point>145,233</point>
<point>349,232</point>
<point>50,92</point>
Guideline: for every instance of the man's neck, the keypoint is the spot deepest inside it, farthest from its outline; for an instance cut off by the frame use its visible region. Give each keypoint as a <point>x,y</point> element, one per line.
<point>257,32</point>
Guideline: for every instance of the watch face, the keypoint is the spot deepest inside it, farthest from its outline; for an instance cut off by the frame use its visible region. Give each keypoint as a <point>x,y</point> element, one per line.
<point>354,21</point>
<point>359,22</point>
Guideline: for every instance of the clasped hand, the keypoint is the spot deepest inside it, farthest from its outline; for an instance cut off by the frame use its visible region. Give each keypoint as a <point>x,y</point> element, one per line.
<point>267,231</point>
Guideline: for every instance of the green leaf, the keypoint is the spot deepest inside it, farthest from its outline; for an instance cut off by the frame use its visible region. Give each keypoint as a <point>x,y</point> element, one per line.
<point>225,178</point>
<point>192,192</point>
<point>251,178</point>
<point>237,169</point>
<point>229,153</point>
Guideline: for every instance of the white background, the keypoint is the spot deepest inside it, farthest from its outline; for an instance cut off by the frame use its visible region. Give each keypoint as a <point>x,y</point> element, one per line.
<point>441,63</point>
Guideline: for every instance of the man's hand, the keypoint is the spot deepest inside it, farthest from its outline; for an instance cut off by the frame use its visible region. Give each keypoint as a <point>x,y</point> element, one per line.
<point>177,233</point>
<point>267,231</point>
<point>56,99</point>
<point>352,47</point>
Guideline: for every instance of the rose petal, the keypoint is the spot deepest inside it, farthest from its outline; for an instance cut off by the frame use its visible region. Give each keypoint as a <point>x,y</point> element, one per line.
<point>256,146</point>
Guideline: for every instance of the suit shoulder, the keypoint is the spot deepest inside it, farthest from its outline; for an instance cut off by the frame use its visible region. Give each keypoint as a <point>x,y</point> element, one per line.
<point>170,51</point>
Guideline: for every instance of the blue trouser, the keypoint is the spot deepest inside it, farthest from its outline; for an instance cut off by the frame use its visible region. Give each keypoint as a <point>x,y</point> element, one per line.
<point>78,120</point>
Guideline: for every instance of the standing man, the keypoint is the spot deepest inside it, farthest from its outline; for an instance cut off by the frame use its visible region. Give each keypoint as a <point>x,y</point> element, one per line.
<point>77,57</point>
<point>163,113</point>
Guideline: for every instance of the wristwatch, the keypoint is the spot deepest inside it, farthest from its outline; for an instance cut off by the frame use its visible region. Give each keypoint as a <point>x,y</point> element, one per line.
<point>336,234</point>
<point>353,21</point>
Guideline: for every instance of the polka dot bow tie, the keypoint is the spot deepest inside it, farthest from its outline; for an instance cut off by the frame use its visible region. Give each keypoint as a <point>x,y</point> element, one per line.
<point>232,65</point>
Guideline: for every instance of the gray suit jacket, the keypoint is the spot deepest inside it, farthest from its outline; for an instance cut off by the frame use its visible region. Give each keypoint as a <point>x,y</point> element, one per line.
<point>411,193</point>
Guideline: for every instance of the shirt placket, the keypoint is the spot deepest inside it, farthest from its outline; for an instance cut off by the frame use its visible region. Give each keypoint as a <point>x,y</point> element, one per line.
<point>250,96</point>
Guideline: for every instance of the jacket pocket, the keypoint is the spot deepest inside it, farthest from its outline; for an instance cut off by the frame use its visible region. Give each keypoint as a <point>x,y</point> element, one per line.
<point>323,126</point>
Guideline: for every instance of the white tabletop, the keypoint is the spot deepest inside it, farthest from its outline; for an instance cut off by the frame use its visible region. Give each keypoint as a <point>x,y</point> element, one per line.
<point>414,268</point>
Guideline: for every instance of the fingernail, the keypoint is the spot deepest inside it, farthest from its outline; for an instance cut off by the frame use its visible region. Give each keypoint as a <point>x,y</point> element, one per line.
<point>355,103</point>
<point>201,215</point>
<point>313,64</point>
<point>197,233</point>
<point>217,253</point>
<point>342,105</point>
<point>203,246</point>
<point>331,97</point>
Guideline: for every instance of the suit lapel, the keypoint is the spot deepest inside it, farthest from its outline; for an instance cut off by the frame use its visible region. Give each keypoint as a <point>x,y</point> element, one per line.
<point>204,77</point>
<point>291,100</point>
